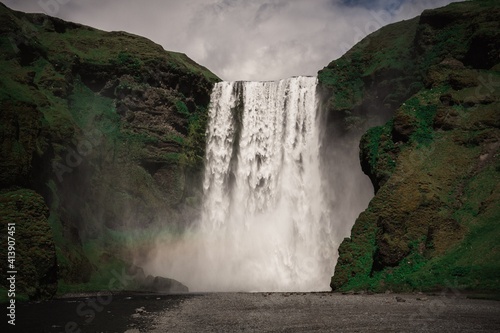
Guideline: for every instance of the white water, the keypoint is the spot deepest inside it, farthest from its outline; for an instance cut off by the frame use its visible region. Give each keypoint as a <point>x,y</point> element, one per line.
<point>265,225</point>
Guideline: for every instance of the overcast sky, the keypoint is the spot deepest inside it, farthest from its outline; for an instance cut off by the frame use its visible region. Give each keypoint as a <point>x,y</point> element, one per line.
<point>241,39</point>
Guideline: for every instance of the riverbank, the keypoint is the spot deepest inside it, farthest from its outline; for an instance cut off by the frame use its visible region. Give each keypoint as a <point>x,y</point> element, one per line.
<point>260,312</point>
<point>329,312</point>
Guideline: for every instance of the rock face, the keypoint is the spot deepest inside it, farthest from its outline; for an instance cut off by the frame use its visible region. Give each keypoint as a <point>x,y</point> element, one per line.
<point>160,284</point>
<point>108,128</point>
<point>435,163</point>
<point>133,278</point>
<point>34,253</point>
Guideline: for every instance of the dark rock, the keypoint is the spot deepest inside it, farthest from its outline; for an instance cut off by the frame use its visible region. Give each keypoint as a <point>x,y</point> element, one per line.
<point>21,125</point>
<point>463,79</point>
<point>446,118</point>
<point>160,284</point>
<point>448,100</point>
<point>35,254</point>
<point>404,126</point>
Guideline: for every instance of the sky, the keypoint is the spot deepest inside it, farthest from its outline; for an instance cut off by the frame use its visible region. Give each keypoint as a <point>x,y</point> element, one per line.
<point>241,39</point>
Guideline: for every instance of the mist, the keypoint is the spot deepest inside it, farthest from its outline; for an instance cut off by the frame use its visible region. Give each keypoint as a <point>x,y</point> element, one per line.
<point>280,194</point>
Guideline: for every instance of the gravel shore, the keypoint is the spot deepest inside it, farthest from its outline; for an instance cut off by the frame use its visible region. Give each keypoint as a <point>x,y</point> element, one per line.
<point>327,312</point>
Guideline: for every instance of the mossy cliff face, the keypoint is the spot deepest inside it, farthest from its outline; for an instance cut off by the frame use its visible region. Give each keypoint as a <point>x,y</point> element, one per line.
<point>23,218</point>
<point>107,127</point>
<point>435,164</point>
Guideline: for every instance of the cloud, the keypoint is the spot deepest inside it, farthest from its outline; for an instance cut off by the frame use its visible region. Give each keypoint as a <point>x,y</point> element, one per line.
<point>374,4</point>
<point>238,39</point>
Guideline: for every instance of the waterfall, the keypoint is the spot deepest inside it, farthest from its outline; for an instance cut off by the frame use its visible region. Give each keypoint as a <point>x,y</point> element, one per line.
<point>270,218</point>
<point>265,225</point>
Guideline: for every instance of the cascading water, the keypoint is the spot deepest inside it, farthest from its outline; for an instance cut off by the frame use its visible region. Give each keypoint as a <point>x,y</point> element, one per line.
<point>265,223</point>
<point>264,216</point>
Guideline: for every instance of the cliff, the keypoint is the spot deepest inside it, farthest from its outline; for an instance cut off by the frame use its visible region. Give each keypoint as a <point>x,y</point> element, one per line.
<point>435,164</point>
<point>102,133</point>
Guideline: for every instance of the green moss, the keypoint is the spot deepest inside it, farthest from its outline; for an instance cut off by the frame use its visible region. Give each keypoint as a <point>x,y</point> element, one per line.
<point>356,256</point>
<point>454,206</point>
<point>13,83</point>
<point>471,265</point>
<point>125,59</point>
<point>345,82</point>
<point>378,153</point>
<point>91,111</point>
<point>174,138</point>
<point>182,61</point>
<point>374,137</point>
<point>384,57</point>
<point>194,146</point>
<point>424,114</point>
<point>449,41</point>
<point>35,257</point>
<point>172,158</point>
<point>182,109</point>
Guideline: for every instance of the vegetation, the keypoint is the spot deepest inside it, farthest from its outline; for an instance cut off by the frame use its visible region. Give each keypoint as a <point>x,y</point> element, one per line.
<point>372,78</point>
<point>33,254</point>
<point>379,157</point>
<point>432,225</point>
<point>108,128</point>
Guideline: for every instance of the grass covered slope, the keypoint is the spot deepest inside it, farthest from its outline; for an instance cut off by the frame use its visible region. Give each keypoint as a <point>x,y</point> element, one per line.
<point>434,222</point>
<point>108,128</point>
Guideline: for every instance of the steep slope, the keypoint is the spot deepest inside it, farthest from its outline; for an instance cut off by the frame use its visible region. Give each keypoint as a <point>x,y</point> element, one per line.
<point>109,129</point>
<point>435,164</point>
